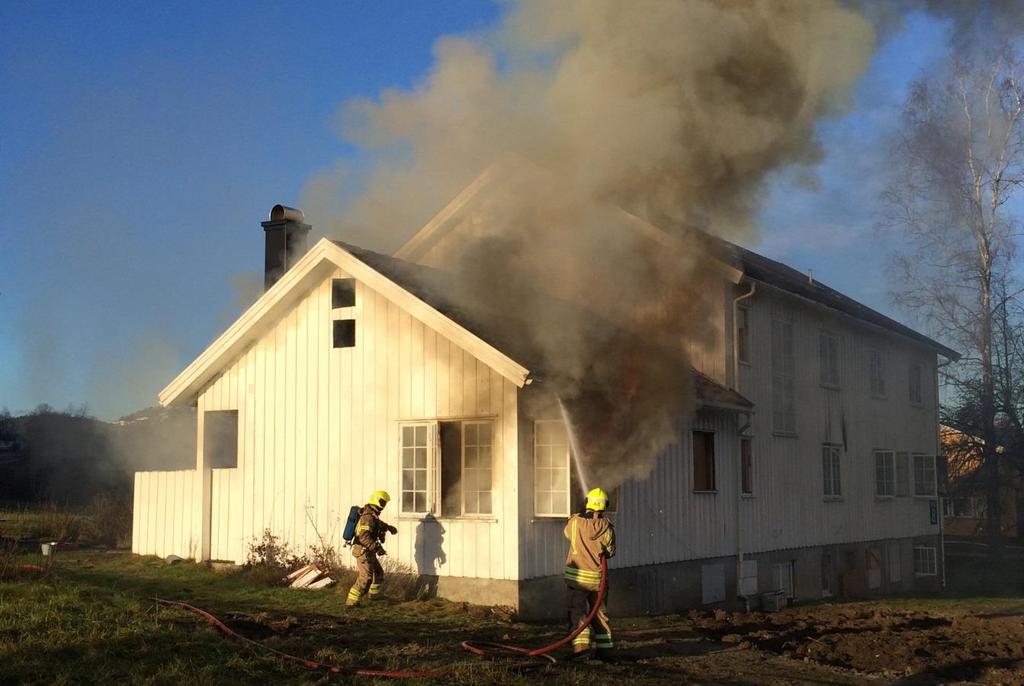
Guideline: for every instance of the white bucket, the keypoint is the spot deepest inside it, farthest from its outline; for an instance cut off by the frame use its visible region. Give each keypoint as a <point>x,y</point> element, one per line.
<point>48,549</point>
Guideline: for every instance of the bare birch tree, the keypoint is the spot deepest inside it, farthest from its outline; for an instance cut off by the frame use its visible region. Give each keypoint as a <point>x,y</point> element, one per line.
<point>958,166</point>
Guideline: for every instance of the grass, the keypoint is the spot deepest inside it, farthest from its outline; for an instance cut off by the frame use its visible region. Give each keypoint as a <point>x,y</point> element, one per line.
<point>92,620</point>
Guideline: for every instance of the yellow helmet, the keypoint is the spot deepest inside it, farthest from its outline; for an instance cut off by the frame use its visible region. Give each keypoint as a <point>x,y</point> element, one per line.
<point>597,500</point>
<point>380,499</point>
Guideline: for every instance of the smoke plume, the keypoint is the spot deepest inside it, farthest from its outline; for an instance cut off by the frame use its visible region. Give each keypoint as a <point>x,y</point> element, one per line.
<point>672,111</point>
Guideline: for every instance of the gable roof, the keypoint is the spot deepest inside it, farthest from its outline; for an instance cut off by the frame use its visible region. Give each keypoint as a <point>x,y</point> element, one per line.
<point>743,263</point>
<point>431,295</point>
<point>321,260</point>
<point>504,329</point>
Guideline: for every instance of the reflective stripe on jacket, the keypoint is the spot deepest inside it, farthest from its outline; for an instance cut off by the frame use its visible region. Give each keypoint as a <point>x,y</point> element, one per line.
<point>367,531</point>
<point>590,535</point>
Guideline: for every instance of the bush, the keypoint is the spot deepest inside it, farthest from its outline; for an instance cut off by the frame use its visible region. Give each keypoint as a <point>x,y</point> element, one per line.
<point>270,559</point>
<point>56,524</point>
<point>110,520</point>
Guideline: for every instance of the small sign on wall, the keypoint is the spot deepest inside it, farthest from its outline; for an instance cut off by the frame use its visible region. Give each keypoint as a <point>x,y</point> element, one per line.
<point>933,511</point>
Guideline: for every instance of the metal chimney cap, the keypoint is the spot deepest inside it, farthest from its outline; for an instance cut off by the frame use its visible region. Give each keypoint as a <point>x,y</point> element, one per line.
<point>285,213</point>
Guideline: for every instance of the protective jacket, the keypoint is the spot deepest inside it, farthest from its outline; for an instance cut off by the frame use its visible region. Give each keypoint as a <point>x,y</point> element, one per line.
<point>590,535</point>
<point>369,531</point>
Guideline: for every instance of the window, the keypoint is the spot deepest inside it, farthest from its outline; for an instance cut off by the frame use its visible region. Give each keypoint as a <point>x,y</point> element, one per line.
<point>924,475</point>
<point>550,469</point>
<point>743,334</point>
<point>220,438</point>
<point>885,473</point>
<point>746,467</point>
<point>828,355</point>
<point>915,384</point>
<point>447,468</point>
<point>703,461</point>
<point>893,558</point>
<point>343,293</point>
<point>784,574</point>
<point>415,468</point>
<point>783,373</point>
<point>344,333</point>
<point>924,561</point>
<point>831,482</point>
<point>477,482</point>
<point>876,364</point>
<point>873,566</point>
<point>902,475</point>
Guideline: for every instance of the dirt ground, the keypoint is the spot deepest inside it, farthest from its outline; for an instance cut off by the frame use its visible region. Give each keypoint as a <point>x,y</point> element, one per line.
<point>878,641</point>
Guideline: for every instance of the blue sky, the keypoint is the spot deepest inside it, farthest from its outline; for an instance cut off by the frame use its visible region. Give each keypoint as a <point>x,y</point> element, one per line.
<point>141,144</point>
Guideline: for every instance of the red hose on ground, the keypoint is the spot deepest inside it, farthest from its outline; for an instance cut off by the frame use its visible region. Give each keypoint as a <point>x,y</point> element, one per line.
<point>477,647</point>
<point>311,664</point>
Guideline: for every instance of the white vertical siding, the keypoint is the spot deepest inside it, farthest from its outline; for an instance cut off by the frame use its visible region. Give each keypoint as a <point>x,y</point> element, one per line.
<point>319,431</point>
<point>163,523</point>
<point>788,509</point>
<point>660,518</point>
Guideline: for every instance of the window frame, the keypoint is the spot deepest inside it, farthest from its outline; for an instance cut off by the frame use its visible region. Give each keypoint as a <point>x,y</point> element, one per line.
<point>903,485</point>
<point>783,377</point>
<point>433,494</point>
<point>212,452</point>
<point>919,385</point>
<point>834,477</point>
<point>883,453</point>
<point>713,463</point>
<point>876,364</point>
<point>431,468</point>
<point>743,334</point>
<point>830,360</point>
<point>930,558</point>
<point>930,461</point>
<point>568,470</point>
<point>747,467</point>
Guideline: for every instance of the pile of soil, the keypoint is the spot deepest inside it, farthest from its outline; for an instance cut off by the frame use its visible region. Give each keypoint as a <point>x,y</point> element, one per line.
<point>921,645</point>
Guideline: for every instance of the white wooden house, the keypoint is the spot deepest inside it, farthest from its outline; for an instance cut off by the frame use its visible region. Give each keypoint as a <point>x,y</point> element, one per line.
<point>808,468</point>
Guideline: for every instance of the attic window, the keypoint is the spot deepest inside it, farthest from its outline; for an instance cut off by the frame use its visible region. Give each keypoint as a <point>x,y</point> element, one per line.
<point>343,293</point>
<point>220,439</point>
<point>344,333</point>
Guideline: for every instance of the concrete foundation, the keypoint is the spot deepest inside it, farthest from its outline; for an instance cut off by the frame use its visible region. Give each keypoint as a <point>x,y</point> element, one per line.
<point>860,569</point>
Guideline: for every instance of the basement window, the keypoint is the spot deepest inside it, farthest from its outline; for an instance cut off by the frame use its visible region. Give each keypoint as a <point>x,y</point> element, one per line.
<point>703,461</point>
<point>343,293</point>
<point>220,438</point>
<point>447,468</point>
<point>924,561</point>
<point>344,333</point>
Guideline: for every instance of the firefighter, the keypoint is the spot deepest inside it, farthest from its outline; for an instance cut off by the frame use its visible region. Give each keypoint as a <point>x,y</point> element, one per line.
<point>590,536</point>
<point>368,546</point>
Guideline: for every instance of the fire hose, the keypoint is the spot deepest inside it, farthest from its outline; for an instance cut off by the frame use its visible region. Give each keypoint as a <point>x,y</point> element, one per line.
<point>479,648</point>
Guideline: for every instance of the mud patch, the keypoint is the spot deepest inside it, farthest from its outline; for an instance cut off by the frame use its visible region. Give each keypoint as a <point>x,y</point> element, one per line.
<point>917,646</point>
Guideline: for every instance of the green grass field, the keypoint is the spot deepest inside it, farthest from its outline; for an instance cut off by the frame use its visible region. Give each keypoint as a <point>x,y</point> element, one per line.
<point>91,619</point>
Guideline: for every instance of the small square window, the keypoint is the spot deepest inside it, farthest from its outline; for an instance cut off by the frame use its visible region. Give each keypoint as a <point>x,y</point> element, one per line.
<point>344,333</point>
<point>220,439</point>
<point>343,293</point>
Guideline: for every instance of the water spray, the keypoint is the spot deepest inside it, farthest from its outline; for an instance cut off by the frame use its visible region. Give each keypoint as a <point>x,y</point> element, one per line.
<point>574,451</point>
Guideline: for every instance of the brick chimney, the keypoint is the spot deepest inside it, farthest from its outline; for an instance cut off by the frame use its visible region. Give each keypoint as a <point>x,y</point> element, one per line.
<point>286,239</point>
